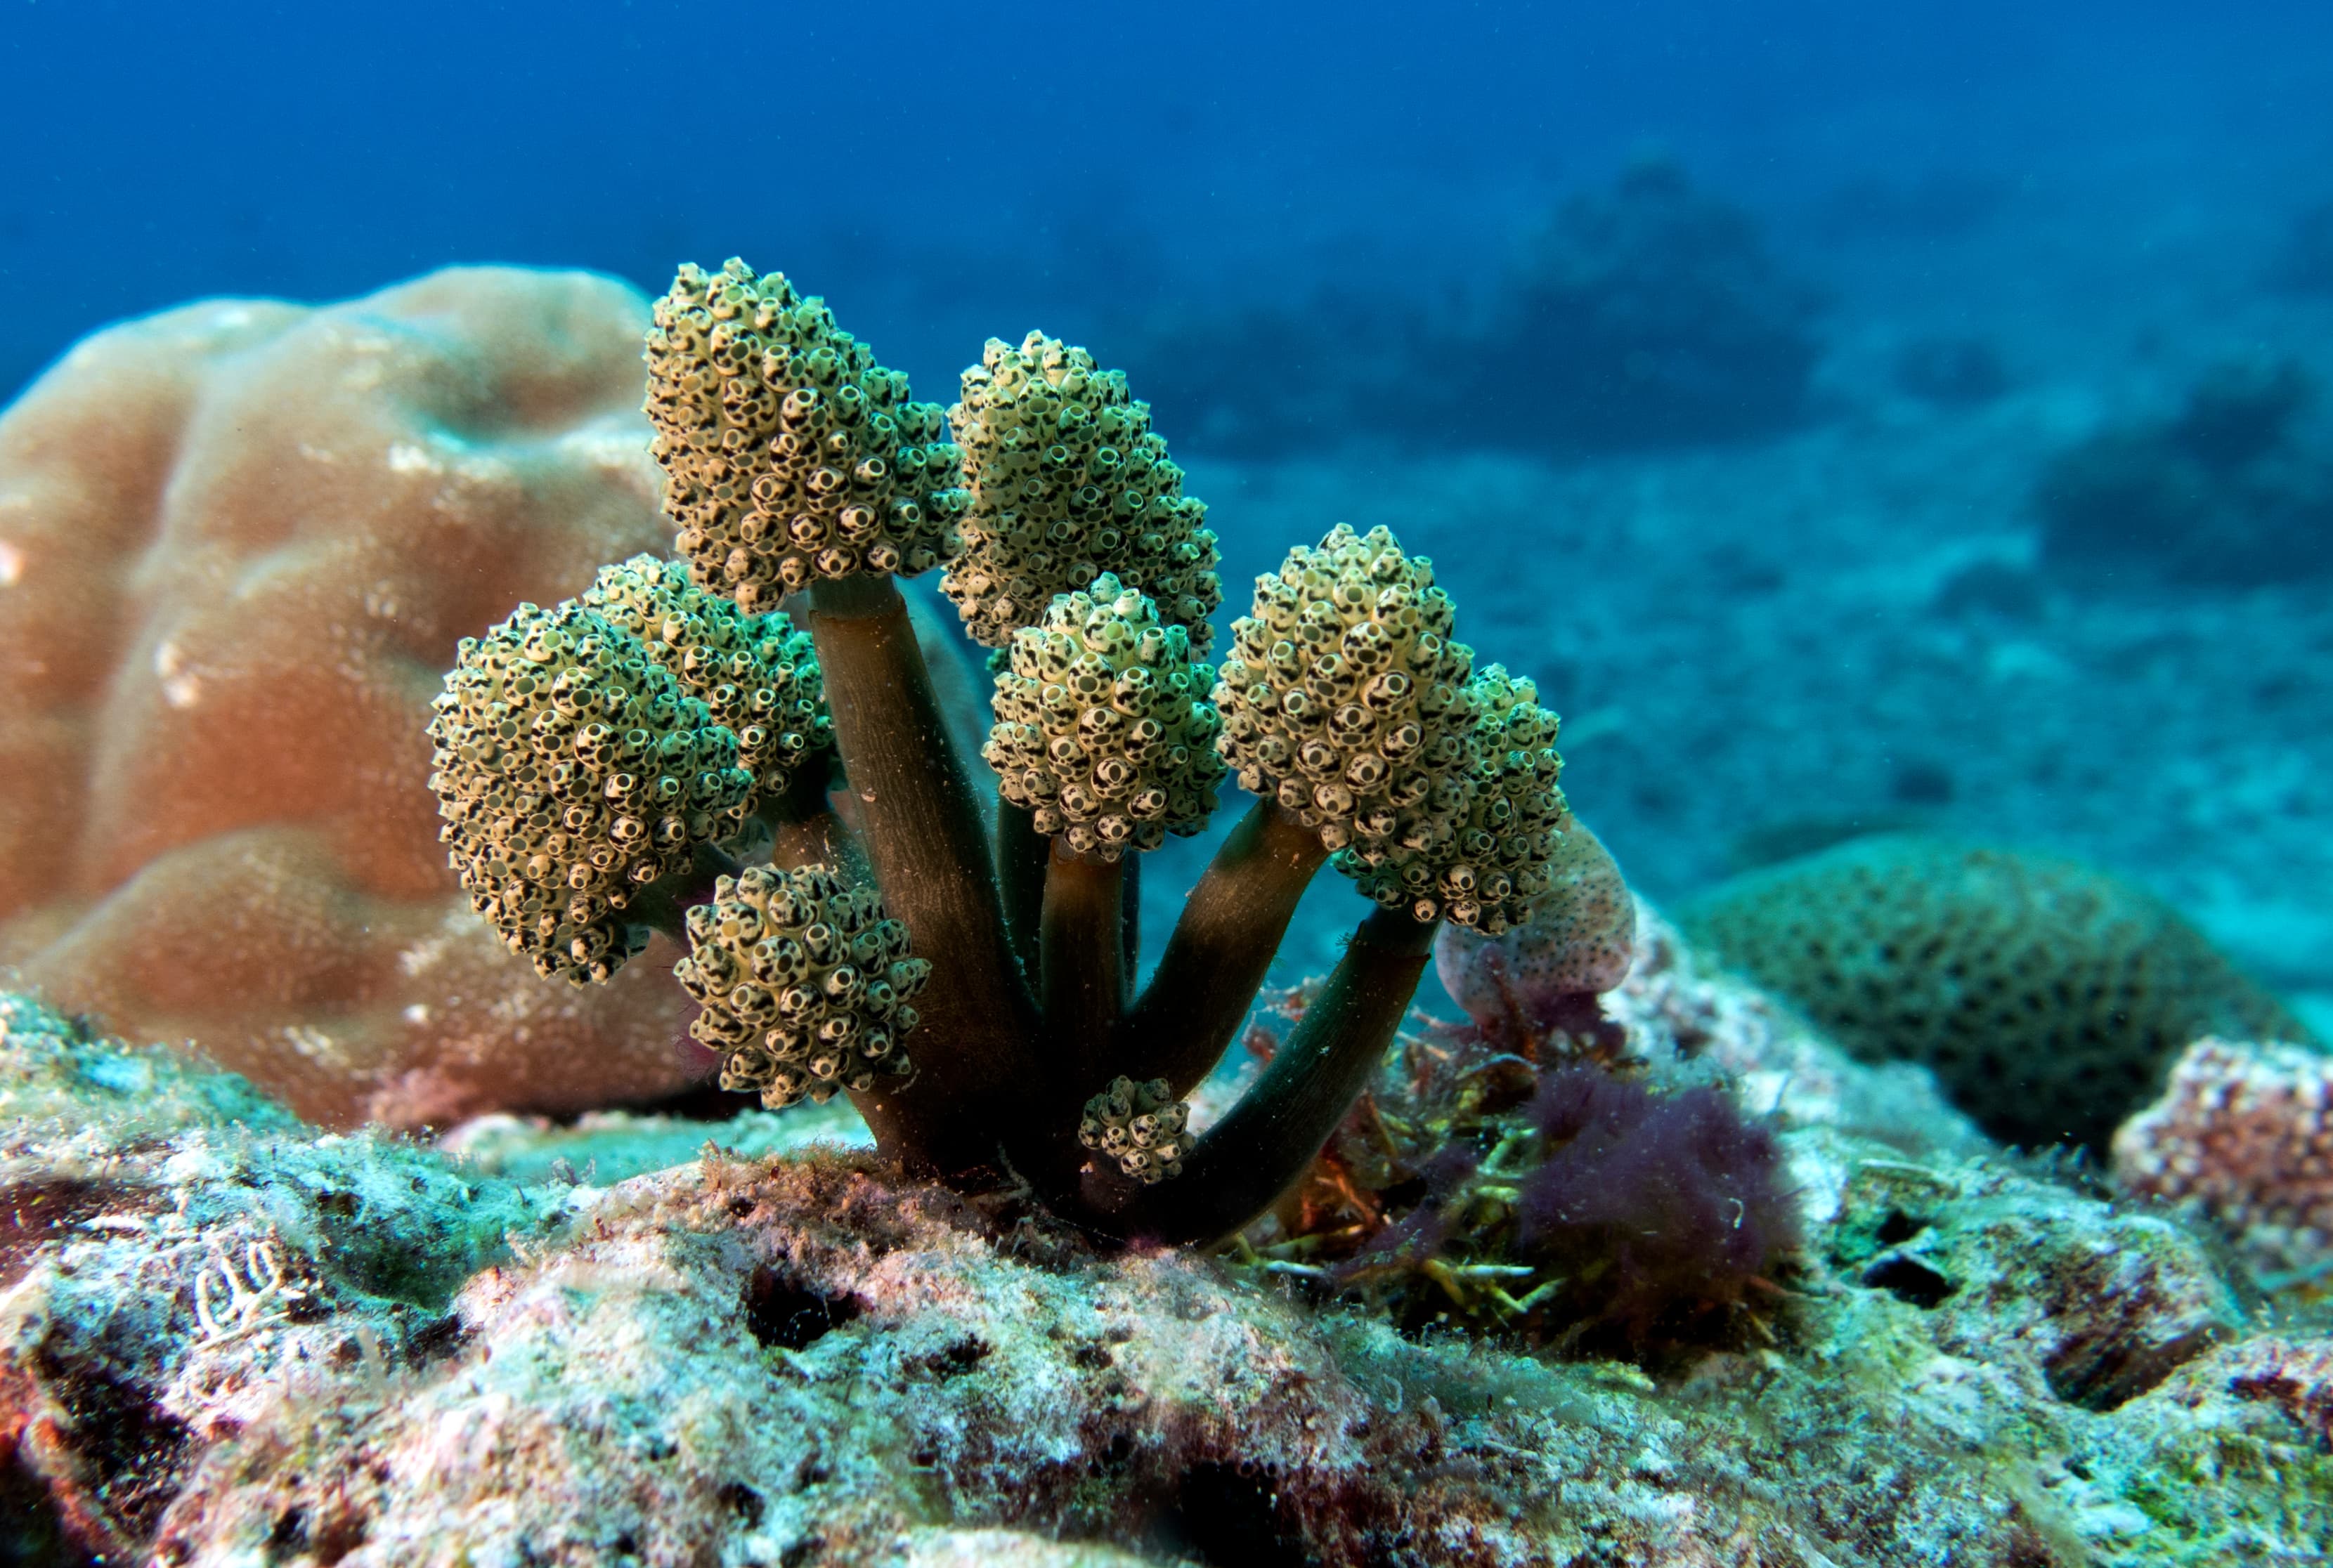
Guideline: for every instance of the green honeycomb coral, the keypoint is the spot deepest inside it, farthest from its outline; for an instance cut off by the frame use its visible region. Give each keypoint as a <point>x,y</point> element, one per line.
<point>1067,482</point>
<point>572,772</point>
<point>1102,729</point>
<point>757,675</point>
<point>790,455</point>
<point>2048,996</point>
<point>1344,699</point>
<point>804,984</point>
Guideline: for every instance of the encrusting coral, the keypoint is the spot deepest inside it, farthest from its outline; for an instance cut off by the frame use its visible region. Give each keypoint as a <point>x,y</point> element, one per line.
<point>2243,1136</point>
<point>2049,997</point>
<point>798,465</point>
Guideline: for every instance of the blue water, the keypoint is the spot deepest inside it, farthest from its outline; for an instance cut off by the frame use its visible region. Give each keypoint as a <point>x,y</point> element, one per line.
<point>1981,232</point>
<point>947,172</point>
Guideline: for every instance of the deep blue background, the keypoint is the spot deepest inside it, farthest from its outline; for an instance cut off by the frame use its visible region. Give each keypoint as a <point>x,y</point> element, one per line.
<point>943,173</point>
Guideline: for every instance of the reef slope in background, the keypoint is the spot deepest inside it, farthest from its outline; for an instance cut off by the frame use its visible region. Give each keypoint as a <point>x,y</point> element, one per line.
<point>228,1339</point>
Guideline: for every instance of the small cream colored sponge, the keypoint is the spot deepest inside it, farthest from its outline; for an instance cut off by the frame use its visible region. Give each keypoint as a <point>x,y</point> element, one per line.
<point>1344,698</point>
<point>1141,1126</point>
<point>1579,938</point>
<point>805,985</point>
<point>1490,872</point>
<point>571,770</point>
<point>1101,726</point>
<point>789,454</point>
<point>1068,481</point>
<point>757,675</point>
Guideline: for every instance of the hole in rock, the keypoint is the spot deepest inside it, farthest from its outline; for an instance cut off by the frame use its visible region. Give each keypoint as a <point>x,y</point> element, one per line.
<point>32,1535</point>
<point>1226,1518</point>
<point>784,1312</point>
<point>1898,1227</point>
<point>135,1450</point>
<point>1906,1278</point>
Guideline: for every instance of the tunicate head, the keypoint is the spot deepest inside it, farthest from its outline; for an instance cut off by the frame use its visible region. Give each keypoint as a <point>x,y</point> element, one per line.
<point>757,675</point>
<point>790,455</point>
<point>1344,699</point>
<point>1067,481</point>
<point>572,772</point>
<point>1142,1127</point>
<point>1494,867</point>
<point>1103,730</point>
<point>804,985</point>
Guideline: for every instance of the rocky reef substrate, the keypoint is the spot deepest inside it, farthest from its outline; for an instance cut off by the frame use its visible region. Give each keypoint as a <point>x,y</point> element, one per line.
<point>226,1337</point>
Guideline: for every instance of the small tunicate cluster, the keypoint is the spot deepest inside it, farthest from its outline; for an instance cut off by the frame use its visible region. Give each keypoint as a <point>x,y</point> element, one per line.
<point>1101,727</point>
<point>790,455</point>
<point>1140,1125</point>
<point>571,770</point>
<point>1490,871</point>
<point>1344,699</point>
<point>804,984</point>
<point>1068,481</point>
<point>757,675</point>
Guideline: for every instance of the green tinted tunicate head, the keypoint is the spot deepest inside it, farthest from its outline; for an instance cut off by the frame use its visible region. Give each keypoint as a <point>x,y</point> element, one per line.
<point>790,455</point>
<point>757,675</point>
<point>804,984</point>
<point>1102,727</point>
<point>1141,1127</point>
<point>1343,698</point>
<point>571,770</point>
<point>1489,870</point>
<point>1067,482</point>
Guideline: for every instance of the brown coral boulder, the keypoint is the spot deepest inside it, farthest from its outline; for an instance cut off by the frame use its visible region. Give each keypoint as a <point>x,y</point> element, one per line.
<point>238,544</point>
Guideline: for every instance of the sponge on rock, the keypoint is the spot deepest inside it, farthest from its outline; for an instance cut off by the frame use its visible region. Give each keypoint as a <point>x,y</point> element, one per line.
<point>790,454</point>
<point>1577,939</point>
<point>1067,482</point>
<point>1101,730</point>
